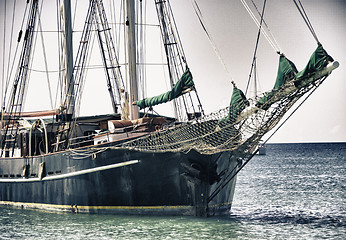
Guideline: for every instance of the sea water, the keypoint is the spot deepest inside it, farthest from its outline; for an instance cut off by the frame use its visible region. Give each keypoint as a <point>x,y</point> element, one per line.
<point>295,191</point>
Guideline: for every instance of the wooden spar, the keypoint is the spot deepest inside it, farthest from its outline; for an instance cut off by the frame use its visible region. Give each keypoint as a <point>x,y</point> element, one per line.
<point>70,101</point>
<point>131,51</point>
<point>33,114</point>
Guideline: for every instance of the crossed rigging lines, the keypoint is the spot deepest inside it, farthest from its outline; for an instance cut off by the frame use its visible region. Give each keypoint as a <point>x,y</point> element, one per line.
<point>15,104</point>
<point>16,99</point>
<point>96,22</point>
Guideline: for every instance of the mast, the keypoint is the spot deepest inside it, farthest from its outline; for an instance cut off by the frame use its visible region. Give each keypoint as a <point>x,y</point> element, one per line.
<point>131,51</point>
<point>69,59</point>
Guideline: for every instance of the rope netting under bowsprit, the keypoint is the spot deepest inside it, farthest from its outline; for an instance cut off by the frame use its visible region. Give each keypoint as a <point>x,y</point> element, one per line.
<point>218,132</point>
<point>206,136</point>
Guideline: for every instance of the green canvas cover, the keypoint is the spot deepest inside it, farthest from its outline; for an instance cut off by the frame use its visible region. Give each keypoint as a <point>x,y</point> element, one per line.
<point>184,83</point>
<point>286,71</point>
<point>237,105</point>
<point>318,60</point>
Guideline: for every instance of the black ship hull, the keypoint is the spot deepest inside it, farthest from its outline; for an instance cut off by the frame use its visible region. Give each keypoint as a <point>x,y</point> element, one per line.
<point>118,181</point>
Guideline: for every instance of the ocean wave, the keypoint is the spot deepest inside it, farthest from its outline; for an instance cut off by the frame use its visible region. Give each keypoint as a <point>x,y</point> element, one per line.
<point>317,219</point>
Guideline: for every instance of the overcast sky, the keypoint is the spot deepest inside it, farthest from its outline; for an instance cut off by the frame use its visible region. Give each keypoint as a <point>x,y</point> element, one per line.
<point>323,116</point>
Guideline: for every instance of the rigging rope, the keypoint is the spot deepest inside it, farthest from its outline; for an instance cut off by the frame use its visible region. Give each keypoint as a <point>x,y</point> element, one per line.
<point>212,42</point>
<point>59,47</point>
<point>272,43</point>
<point>256,46</point>
<point>267,27</point>
<point>218,132</point>
<point>16,103</point>
<point>305,18</point>
<point>45,58</point>
<point>290,115</point>
<point>74,16</point>
<point>14,56</point>
<point>232,173</point>
<point>10,49</point>
<point>3,54</point>
<point>21,101</point>
<point>141,43</point>
<point>184,106</point>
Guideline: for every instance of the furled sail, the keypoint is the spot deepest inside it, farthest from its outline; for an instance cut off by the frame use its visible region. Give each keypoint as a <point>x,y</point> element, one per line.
<point>184,85</point>
<point>237,105</point>
<point>286,71</point>
<point>318,60</point>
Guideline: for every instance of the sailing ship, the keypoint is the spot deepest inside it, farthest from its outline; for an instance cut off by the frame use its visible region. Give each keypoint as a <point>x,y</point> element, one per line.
<point>134,161</point>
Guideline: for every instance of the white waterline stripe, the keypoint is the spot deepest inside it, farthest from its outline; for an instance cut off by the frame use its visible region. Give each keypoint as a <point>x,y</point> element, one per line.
<point>72,174</point>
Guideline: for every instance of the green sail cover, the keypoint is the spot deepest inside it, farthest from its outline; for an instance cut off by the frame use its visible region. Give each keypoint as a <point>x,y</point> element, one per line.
<point>184,83</point>
<point>237,105</point>
<point>318,60</point>
<point>286,71</point>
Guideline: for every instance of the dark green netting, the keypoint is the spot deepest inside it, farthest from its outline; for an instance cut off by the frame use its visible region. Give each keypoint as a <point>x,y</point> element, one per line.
<point>318,60</point>
<point>286,71</point>
<point>184,83</point>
